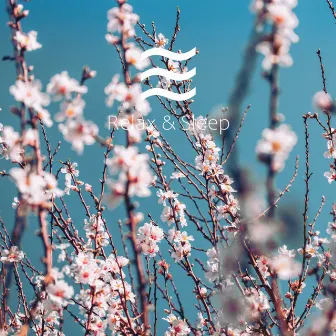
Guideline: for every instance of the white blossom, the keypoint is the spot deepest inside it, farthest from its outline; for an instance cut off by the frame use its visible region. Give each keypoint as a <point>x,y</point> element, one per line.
<point>285,266</point>
<point>277,143</point>
<point>27,41</point>
<point>30,93</point>
<point>62,86</point>
<point>79,133</point>
<point>161,41</point>
<point>11,255</point>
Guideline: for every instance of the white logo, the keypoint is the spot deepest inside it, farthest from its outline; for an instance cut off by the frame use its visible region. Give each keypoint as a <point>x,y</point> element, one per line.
<point>168,74</point>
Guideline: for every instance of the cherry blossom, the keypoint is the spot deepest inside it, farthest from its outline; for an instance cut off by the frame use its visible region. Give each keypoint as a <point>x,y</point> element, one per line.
<point>332,230</point>
<point>62,86</point>
<point>277,143</point>
<point>276,46</point>
<point>323,101</point>
<point>116,90</point>
<point>257,303</point>
<point>177,175</point>
<point>70,110</point>
<point>212,273</point>
<point>95,231</point>
<point>11,255</point>
<point>35,188</point>
<point>282,57</point>
<point>330,175</point>
<point>29,93</point>
<point>79,133</point>
<point>310,251</point>
<point>71,169</point>
<point>173,66</point>
<point>152,132</point>
<point>161,40</point>
<point>331,153</point>
<point>132,167</point>
<point>27,41</point>
<point>285,267</point>
<point>60,292</point>
<point>10,146</point>
<point>164,196</point>
<point>283,250</point>
<point>149,236</point>
<point>178,327</point>
<point>122,20</point>
<point>44,116</point>
<point>133,100</point>
<point>133,57</point>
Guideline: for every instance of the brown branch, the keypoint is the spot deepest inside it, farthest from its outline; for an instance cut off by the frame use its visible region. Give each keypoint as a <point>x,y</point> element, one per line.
<point>332,8</point>
<point>322,70</point>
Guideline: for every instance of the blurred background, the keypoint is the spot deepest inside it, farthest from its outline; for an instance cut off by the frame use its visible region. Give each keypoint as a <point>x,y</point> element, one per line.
<point>73,35</point>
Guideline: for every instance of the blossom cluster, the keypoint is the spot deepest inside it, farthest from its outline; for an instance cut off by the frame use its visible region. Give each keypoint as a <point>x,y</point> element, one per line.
<point>149,236</point>
<point>36,189</point>
<point>134,176</point>
<point>177,326</point>
<point>173,209</point>
<point>276,46</point>
<point>128,92</point>
<point>29,93</point>
<point>324,102</point>
<point>103,284</point>
<point>53,299</point>
<point>73,126</point>
<point>10,144</point>
<point>181,244</point>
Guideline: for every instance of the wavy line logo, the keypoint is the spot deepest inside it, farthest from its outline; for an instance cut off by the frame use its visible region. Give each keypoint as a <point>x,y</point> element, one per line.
<point>171,75</point>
